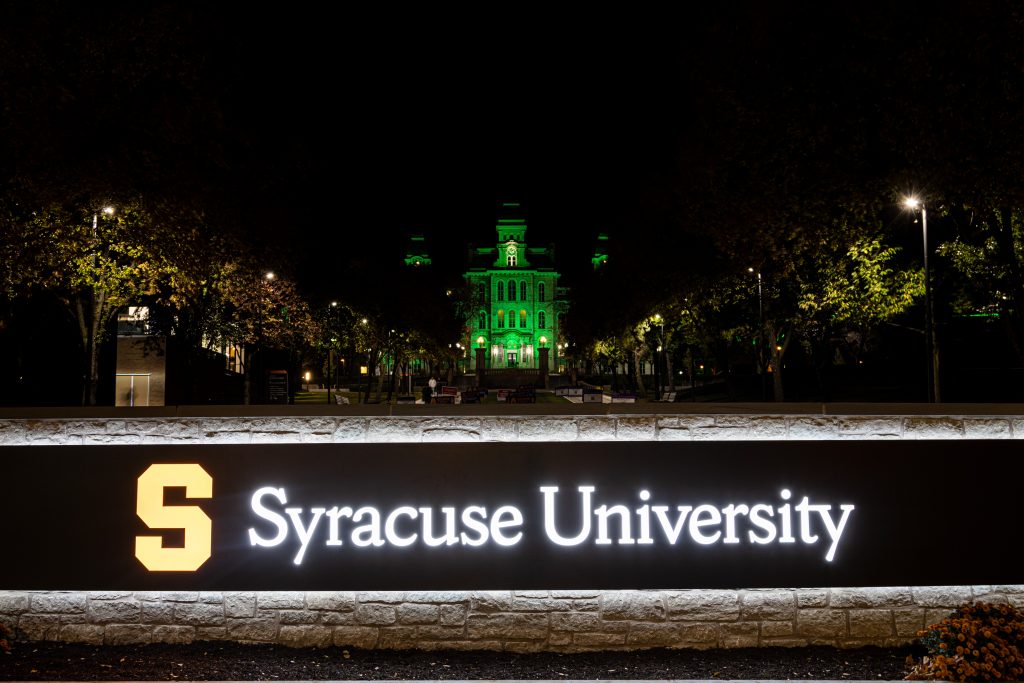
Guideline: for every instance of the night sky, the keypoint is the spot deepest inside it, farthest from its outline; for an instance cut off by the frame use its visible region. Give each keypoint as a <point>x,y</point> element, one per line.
<point>330,134</point>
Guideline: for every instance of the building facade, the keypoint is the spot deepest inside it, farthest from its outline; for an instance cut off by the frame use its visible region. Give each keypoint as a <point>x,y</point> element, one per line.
<point>517,301</point>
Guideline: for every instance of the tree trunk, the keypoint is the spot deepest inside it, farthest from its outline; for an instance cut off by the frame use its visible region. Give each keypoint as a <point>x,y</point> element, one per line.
<point>371,363</point>
<point>641,391</point>
<point>668,371</point>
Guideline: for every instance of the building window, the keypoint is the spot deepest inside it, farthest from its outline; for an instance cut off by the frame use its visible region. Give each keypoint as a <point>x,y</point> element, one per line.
<point>522,290</point>
<point>501,290</point>
<point>540,320</point>
<point>511,259</point>
<point>482,320</point>
<point>501,318</point>
<point>511,290</point>
<point>480,292</point>
<point>522,318</point>
<point>540,292</point>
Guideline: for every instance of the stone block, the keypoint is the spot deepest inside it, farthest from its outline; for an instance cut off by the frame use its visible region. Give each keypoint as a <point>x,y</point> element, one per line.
<point>634,606</point>
<point>986,428</point>
<point>871,597</point>
<point>674,434</point>
<point>211,597</point>
<point>436,597</point>
<point>63,603</point>
<point>355,636</point>
<point>178,635</point>
<point>636,428</point>
<point>698,634</point>
<point>870,426</point>
<point>375,615</point>
<point>167,430</point>
<point>418,613</point>
<point>595,429</point>
<point>495,601</point>
<point>783,642</point>
<point>909,620</point>
<point>123,611</point>
<point>934,615</point>
<point>596,641</point>
<point>548,429</point>
<point>199,614</point>
<point>742,634</point>
<point>575,621</point>
<point>453,615</point>
<point>523,647</point>
<point>435,632</point>
<point>298,616</point>
<point>13,603</point>
<point>871,623</point>
<point>539,604</point>
<point>393,430</point>
<point>38,626</point>
<point>127,634</point>
<point>685,421</point>
<point>498,429</point>
<point>776,605</point>
<point>932,428</point>
<point>263,630</point>
<point>239,604</point>
<point>157,613</point>
<point>337,618</point>
<point>507,626</point>
<point>942,596</point>
<point>653,635</point>
<point>112,439</point>
<point>175,596</point>
<point>349,430</point>
<point>305,636</point>
<point>587,605</point>
<point>821,623</point>
<point>814,428</point>
<point>386,597</point>
<point>331,600</point>
<point>397,638</point>
<point>812,597</point>
<point>81,633</point>
<point>280,600</point>
<point>772,629</point>
<point>449,435</point>
<point>717,433</point>
<point>697,605</point>
<point>211,633</point>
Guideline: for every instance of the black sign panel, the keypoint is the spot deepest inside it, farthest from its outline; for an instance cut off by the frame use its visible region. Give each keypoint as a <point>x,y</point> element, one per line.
<point>511,516</point>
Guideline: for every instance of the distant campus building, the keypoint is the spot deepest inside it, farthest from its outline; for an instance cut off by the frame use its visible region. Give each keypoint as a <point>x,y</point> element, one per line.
<point>519,305</point>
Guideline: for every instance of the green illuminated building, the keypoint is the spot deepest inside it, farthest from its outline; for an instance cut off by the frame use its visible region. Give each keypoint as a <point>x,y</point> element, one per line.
<point>518,303</point>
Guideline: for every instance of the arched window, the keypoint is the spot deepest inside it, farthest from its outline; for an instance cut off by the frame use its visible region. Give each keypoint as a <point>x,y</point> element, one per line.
<point>510,260</point>
<point>480,292</point>
<point>501,290</point>
<point>501,318</point>
<point>511,290</point>
<point>540,319</point>
<point>522,290</point>
<point>522,318</point>
<point>482,320</point>
<point>540,292</point>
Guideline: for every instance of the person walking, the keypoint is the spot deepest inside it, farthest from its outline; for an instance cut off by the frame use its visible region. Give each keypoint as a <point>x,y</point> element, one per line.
<point>432,386</point>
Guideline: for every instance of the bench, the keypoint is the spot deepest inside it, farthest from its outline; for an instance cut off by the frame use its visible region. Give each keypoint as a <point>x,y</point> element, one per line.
<point>623,398</point>
<point>667,397</point>
<point>341,400</point>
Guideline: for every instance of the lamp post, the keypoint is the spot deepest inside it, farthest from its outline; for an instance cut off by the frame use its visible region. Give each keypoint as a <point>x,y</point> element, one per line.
<point>658,356</point>
<point>260,379</point>
<point>330,350</point>
<point>913,203</point>
<point>760,332</point>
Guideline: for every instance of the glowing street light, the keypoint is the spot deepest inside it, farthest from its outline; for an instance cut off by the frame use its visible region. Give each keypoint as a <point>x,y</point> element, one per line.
<point>914,204</point>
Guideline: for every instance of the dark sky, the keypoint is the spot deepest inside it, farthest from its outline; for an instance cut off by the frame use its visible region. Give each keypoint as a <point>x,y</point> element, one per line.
<point>333,132</point>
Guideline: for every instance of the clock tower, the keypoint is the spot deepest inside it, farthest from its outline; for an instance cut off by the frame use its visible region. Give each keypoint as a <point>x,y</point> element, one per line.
<point>518,302</point>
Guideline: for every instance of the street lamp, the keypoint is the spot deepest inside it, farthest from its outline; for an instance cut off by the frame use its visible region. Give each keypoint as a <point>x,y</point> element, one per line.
<point>914,204</point>
<point>330,350</point>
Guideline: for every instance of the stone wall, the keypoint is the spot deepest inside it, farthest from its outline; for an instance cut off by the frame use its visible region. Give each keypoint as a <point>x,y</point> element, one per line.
<point>512,621</point>
<point>508,620</point>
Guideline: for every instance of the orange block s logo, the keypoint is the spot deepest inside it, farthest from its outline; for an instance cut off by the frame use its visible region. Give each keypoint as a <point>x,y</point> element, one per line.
<point>197,525</point>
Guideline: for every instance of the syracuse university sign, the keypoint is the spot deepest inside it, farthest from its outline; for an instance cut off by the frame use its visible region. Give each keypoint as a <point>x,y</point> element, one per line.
<point>510,516</point>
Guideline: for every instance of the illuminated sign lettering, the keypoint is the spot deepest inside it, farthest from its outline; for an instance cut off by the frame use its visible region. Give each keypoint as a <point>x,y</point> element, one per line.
<point>508,516</point>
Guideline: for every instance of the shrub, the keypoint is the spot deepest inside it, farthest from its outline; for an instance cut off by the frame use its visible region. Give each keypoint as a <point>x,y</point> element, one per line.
<point>977,642</point>
<point>5,633</point>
